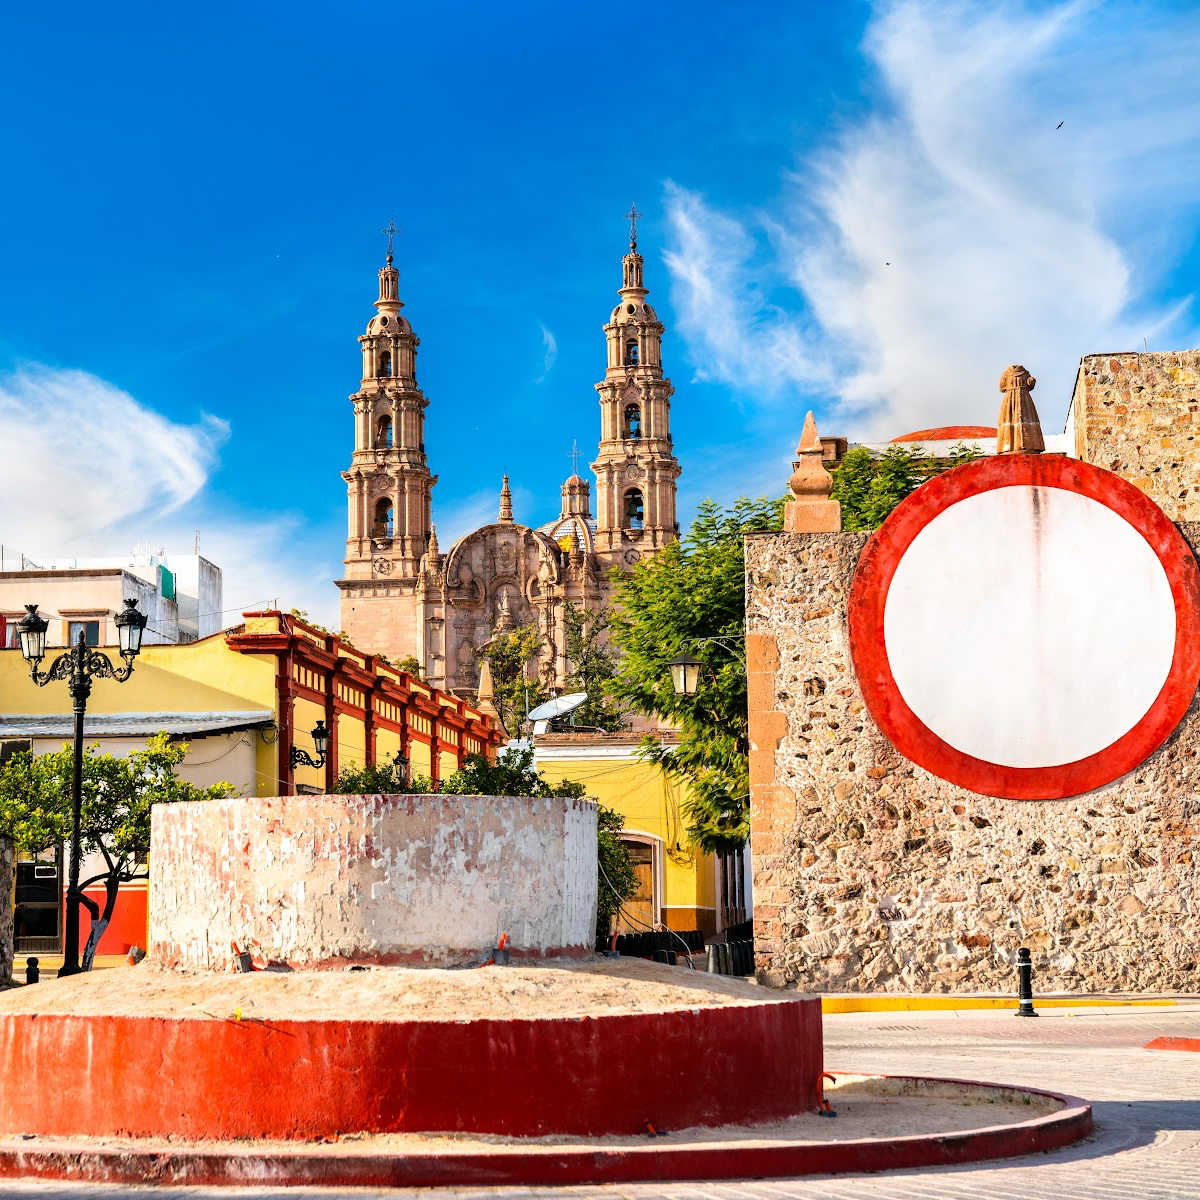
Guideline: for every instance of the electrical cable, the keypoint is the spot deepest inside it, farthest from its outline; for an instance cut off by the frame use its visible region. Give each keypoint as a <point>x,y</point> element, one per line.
<point>661,928</point>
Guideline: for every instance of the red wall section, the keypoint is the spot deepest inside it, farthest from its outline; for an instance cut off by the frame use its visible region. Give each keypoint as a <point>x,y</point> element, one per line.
<point>309,1079</point>
<point>128,926</point>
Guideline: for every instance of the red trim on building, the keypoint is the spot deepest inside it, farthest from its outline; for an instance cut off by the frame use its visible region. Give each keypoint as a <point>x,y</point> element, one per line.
<point>912,737</point>
<point>299,645</point>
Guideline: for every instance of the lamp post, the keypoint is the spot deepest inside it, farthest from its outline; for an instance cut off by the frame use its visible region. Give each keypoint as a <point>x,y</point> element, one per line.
<point>302,758</point>
<point>78,665</point>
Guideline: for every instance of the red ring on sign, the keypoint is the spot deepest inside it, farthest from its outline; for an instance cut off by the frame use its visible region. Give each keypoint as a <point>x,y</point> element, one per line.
<point>912,737</point>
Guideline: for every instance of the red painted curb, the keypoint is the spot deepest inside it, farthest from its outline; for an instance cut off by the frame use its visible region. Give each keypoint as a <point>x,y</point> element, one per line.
<point>920,744</point>
<point>163,1163</point>
<point>1173,1043</point>
<point>306,1080</point>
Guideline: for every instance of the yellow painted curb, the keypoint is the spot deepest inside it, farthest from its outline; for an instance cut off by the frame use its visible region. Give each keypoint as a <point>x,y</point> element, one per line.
<point>852,1004</point>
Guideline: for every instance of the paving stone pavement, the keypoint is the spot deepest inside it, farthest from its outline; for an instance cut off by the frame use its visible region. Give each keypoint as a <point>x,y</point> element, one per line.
<point>1147,1108</point>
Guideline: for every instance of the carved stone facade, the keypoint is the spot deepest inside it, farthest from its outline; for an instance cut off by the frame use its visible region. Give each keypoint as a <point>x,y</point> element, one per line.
<point>401,596</point>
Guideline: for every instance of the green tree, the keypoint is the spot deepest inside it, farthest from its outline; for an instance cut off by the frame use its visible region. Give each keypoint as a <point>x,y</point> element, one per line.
<point>852,486</point>
<point>510,655</point>
<point>898,473</point>
<point>593,667</point>
<point>118,794</point>
<point>690,591</point>
<point>380,779</point>
<point>513,774</point>
<point>961,453</point>
<point>411,665</point>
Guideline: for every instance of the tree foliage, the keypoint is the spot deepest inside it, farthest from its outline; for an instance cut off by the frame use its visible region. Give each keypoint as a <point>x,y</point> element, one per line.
<point>510,655</point>
<point>513,774</point>
<point>118,794</point>
<point>869,488</point>
<point>593,667</point>
<point>380,779</point>
<point>693,590</point>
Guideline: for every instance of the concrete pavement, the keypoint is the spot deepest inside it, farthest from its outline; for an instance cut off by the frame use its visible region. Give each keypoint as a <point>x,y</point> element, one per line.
<point>1147,1107</point>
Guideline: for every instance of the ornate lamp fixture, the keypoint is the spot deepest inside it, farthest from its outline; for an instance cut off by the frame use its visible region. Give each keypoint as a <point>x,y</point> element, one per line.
<point>320,737</point>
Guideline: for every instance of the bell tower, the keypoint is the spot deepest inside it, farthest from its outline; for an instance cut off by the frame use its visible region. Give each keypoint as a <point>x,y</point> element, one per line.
<point>636,466</point>
<point>388,486</point>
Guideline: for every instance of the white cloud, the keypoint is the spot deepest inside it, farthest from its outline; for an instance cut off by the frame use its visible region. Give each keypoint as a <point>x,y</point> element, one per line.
<point>549,353</point>
<point>955,229</point>
<point>91,472</point>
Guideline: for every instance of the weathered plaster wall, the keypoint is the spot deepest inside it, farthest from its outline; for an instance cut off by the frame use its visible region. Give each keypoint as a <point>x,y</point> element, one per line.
<point>7,868</point>
<point>1139,416</point>
<point>322,880</point>
<point>871,873</point>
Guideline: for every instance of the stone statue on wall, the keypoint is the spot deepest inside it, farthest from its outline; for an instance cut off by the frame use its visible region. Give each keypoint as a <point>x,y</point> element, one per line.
<point>1018,429</point>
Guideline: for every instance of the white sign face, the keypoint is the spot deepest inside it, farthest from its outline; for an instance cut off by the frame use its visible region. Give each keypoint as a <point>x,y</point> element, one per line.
<point>1029,626</point>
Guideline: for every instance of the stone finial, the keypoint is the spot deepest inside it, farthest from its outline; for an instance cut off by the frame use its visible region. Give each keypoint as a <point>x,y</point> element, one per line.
<point>432,549</point>
<point>575,551</point>
<point>485,699</point>
<point>1018,430</point>
<point>811,508</point>
<point>506,517</point>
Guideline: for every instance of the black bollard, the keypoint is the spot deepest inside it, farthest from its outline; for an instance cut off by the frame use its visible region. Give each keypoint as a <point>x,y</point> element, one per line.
<point>710,953</point>
<point>32,974</point>
<point>1025,983</point>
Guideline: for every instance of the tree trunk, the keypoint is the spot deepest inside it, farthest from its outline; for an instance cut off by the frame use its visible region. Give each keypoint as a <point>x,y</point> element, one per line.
<point>99,920</point>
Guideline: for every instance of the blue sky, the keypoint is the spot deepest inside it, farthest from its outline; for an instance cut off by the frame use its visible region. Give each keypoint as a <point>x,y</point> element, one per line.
<point>866,209</point>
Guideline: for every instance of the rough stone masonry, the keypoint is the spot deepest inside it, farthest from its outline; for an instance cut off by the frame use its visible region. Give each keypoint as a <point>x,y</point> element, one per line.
<point>872,874</point>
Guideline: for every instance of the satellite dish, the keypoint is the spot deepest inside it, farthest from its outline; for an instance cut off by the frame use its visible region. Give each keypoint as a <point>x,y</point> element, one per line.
<point>558,707</point>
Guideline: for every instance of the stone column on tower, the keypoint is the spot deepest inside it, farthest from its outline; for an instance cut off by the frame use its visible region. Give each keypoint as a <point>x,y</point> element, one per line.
<point>635,466</point>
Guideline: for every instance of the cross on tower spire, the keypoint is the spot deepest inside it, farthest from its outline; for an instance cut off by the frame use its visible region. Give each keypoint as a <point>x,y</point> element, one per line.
<point>632,217</point>
<point>574,456</point>
<point>390,233</point>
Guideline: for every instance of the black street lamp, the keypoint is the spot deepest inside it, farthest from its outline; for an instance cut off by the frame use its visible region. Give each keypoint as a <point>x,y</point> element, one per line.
<point>320,737</point>
<point>78,665</point>
<point>685,674</point>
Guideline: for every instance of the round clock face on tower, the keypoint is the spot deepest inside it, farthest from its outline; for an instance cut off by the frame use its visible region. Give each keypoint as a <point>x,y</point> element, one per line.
<point>632,556</point>
<point>382,566</point>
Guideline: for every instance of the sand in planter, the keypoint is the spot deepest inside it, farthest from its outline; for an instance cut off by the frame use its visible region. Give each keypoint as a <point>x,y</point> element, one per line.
<point>601,987</point>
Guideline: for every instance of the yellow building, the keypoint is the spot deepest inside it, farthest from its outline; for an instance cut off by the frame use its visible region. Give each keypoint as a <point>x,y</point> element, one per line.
<point>682,887</point>
<point>242,699</point>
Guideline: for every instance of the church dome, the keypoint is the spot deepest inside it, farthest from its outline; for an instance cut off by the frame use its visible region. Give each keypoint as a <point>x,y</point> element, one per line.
<point>388,323</point>
<point>632,312</point>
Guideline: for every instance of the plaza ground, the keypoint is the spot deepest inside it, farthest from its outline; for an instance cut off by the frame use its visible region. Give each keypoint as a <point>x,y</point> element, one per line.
<point>1147,1107</point>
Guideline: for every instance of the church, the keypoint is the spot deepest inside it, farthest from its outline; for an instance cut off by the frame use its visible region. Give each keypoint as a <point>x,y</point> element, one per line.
<point>402,595</point>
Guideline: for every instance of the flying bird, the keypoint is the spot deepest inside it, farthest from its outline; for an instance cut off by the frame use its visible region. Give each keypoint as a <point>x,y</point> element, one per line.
<point>1060,124</point>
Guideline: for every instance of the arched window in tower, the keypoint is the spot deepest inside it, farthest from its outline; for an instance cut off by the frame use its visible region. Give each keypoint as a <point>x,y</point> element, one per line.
<point>383,434</point>
<point>385,365</point>
<point>631,352</point>
<point>633,421</point>
<point>634,509</point>
<point>385,519</point>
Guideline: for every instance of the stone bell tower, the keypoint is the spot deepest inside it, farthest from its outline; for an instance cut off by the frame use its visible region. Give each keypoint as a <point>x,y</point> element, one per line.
<point>636,466</point>
<point>389,485</point>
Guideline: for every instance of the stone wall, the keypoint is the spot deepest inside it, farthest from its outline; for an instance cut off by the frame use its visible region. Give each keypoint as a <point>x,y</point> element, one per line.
<point>314,881</point>
<point>872,874</point>
<point>1138,415</point>
<point>7,869</point>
